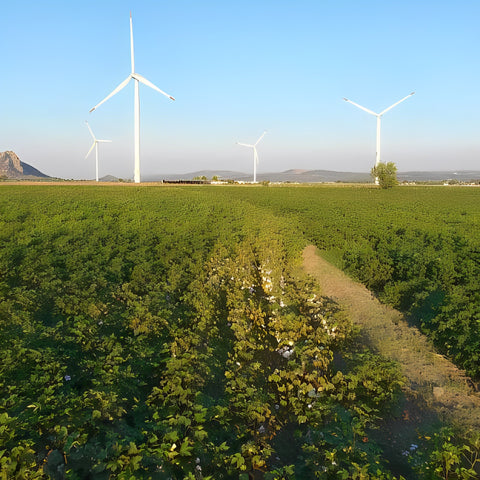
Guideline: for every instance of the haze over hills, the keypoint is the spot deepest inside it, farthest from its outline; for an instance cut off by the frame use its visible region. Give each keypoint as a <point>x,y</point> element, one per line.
<point>460,175</point>
<point>293,175</point>
<point>313,176</point>
<point>12,167</point>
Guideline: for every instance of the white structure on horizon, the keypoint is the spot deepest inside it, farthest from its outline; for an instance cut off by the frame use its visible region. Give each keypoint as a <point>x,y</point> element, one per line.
<point>137,78</point>
<point>255,155</point>
<point>95,145</point>
<point>379,116</point>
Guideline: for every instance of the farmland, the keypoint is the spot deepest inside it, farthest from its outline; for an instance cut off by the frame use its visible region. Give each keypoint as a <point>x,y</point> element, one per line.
<point>168,332</point>
<point>418,248</point>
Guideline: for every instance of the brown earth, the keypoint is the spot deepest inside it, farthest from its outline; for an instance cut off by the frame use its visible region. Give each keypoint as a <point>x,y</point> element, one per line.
<point>436,391</point>
<point>74,182</point>
<point>91,182</point>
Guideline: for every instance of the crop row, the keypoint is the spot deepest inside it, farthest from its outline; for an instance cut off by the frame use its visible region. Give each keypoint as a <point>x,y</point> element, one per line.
<point>163,334</point>
<point>417,248</point>
<point>167,333</point>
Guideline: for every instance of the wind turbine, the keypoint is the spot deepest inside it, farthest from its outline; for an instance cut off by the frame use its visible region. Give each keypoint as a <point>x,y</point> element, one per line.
<point>255,155</point>
<point>137,78</point>
<point>379,117</point>
<point>95,144</point>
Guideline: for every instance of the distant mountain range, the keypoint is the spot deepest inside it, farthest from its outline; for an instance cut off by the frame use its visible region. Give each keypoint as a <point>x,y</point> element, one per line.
<point>314,176</point>
<point>300,176</point>
<point>12,167</point>
<point>460,175</point>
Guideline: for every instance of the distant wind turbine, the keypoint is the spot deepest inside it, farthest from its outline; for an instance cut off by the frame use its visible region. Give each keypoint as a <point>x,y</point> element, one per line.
<point>255,155</point>
<point>95,145</point>
<point>137,78</point>
<point>379,116</point>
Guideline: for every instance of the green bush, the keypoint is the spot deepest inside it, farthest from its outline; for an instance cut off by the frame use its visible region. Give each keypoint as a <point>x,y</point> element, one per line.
<point>385,174</point>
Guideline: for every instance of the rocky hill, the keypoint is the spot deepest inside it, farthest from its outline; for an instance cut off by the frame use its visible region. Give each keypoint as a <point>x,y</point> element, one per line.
<point>12,167</point>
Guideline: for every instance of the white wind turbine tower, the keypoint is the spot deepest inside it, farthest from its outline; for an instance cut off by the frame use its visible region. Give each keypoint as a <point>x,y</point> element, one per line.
<point>137,78</point>
<point>95,145</point>
<point>255,155</point>
<point>379,116</point>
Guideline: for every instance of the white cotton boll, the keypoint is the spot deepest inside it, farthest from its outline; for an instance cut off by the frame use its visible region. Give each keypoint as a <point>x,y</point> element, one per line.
<point>287,354</point>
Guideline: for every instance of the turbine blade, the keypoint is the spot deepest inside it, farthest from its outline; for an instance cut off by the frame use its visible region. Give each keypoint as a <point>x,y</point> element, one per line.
<point>122,85</point>
<point>395,104</point>
<point>91,133</point>
<point>146,82</point>
<point>104,141</point>
<point>91,148</point>
<point>132,57</point>
<point>362,108</point>
<point>245,144</point>
<point>263,134</point>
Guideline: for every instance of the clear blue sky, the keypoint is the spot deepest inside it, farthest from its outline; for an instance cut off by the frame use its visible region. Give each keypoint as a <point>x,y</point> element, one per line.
<point>237,68</point>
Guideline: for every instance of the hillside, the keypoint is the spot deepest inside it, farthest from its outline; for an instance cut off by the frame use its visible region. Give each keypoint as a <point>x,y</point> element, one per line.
<point>12,167</point>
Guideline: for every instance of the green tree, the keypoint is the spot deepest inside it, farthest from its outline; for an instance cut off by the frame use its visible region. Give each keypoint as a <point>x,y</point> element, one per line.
<point>386,173</point>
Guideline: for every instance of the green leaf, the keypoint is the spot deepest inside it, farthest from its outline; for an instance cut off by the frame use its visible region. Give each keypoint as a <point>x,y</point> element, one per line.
<point>185,448</point>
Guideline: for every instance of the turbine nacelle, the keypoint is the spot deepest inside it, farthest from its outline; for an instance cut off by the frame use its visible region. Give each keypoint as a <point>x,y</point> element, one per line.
<point>379,116</point>
<point>382,112</point>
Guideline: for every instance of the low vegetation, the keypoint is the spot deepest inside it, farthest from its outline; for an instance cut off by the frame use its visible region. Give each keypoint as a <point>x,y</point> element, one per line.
<point>167,333</point>
<point>417,248</point>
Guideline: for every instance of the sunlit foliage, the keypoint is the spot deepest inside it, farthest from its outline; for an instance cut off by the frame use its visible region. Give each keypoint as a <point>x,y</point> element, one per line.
<point>164,333</point>
<point>167,332</point>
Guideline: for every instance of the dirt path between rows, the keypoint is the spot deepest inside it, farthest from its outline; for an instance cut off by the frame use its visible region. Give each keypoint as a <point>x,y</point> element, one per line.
<point>431,378</point>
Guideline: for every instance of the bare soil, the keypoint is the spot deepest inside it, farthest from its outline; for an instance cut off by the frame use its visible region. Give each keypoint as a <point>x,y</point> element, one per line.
<point>436,391</point>
<point>78,182</point>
